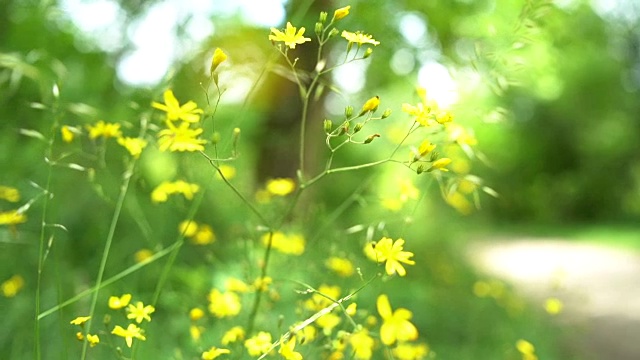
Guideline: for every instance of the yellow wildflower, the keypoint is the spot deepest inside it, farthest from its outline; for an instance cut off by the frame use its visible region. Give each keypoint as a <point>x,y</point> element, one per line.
<point>188,228</point>
<point>228,171</point>
<point>459,202</point>
<point>526,349</point>
<point>341,13</point>
<point>262,283</point>
<point>553,306</point>
<point>328,321</point>
<point>93,340</point>
<point>280,186</point>
<point>440,164</point>
<point>204,235</point>
<point>234,334</point>
<point>181,138</point>
<point>408,351</point>
<point>395,324</point>
<point>188,112</point>
<point>286,349</point>
<point>362,344</point>
<point>444,117</point>
<point>80,320</point>
<point>424,110</point>
<point>67,133</point>
<point>161,192</point>
<point>359,38</point>
<point>224,304</point>
<point>12,217</point>
<point>218,58</point>
<point>196,332</point>
<point>258,344</point>
<point>119,302</point>
<point>292,244</point>
<point>386,250</point>
<point>103,129</point>
<point>236,285</point>
<point>425,148</point>
<point>371,105</point>
<point>196,314</point>
<point>291,36</point>
<point>131,332</point>
<point>11,287</point>
<point>9,193</point>
<point>133,145</point>
<point>341,266</point>
<point>214,353</point>
<point>140,312</point>
<point>142,255</point>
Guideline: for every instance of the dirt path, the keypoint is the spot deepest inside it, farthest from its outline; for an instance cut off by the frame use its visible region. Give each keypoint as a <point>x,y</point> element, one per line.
<point>599,286</point>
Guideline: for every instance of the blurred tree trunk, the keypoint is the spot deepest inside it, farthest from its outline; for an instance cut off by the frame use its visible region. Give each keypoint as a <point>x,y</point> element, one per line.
<point>280,139</point>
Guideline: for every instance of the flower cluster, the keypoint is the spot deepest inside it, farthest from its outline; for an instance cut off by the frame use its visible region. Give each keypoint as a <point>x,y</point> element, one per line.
<point>15,216</point>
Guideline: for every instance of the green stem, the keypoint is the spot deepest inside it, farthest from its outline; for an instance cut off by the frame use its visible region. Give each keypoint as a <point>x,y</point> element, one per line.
<point>107,246</point>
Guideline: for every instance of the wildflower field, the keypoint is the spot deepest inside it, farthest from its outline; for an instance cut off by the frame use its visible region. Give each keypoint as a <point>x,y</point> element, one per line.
<point>289,191</point>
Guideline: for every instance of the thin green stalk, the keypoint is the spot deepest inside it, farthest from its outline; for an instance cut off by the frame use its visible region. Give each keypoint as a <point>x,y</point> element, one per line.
<point>107,246</point>
<point>43,222</point>
<point>263,273</point>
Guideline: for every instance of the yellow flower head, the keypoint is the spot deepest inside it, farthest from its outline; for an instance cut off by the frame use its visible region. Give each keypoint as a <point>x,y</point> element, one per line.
<point>105,130</point>
<point>161,192</point>
<point>258,344</point>
<point>224,304</point>
<point>188,112</point>
<point>386,250</point>
<point>359,38</point>
<point>553,306</point>
<point>525,347</point>
<point>341,13</point>
<point>395,324</point>
<point>218,58</point>
<point>12,217</point>
<point>67,133</point>
<point>133,145</point>
<point>280,186</point>
<point>142,255</point>
<point>440,164</point>
<point>196,314</point>
<point>371,105</point>
<point>93,340</point>
<point>286,349</point>
<point>234,334</point>
<point>425,148</point>
<point>131,332</point>
<point>408,351</point>
<point>214,353</point>
<point>292,244</point>
<point>291,36</point>
<point>140,312</point>
<point>188,228</point>
<point>362,344</point>
<point>11,287</point>
<point>9,193</point>
<point>119,302</point>
<point>80,320</point>
<point>180,138</point>
<point>341,266</point>
<point>204,235</point>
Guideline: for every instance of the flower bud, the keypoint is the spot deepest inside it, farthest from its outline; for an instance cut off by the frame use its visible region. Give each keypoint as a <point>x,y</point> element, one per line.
<point>370,138</point>
<point>367,53</point>
<point>344,128</point>
<point>358,127</point>
<point>386,113</point>
<point>434,156</point>
<point>323,17</point>
<point>348,111</point>
<point>370,105</point>
<point>333,32</point>
<point>420,169</point>
<point>318,28</point>
<point>328,125</point>
<point>215,138</point>
<point>218,57</point>
<point>341,13</point>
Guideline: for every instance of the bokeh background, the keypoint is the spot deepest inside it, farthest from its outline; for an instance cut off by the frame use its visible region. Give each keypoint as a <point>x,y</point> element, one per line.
<point>551,89</point>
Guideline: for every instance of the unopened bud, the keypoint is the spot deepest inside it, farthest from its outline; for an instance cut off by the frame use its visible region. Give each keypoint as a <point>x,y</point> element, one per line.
<point>434,156</point>
<point>386,114</point>
<point>370,105</point>
<point>344,128</point>
<point>370,138</point>
<point>367,53</point>
<point>215,138</point>
<point>333,32</point>
<point>348,111</point>
<point>318,28</point>
<point>218,57</point>
<point>323,17</point>
<point>328,125</point>
<point>420,169</point>
<point>341,13</point>
<point>358,127</point>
